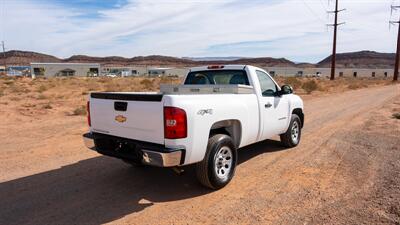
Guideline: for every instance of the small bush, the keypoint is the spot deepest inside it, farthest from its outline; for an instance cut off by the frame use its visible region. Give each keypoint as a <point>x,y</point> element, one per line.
<point>396,116</point>
<point>147,83</point>
<point>353,86</point>
<point>47,106</point>
<point>28,105</point>
<point>356,86</point>
<point>294,82</point>
<point>42,88</point>
<point>310,86</point>
<point>80,111</point>
<point>17,89</point>
<point>8,82</point>
<point>41,97</point>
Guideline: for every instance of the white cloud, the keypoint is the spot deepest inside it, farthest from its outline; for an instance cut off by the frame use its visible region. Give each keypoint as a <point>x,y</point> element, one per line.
<point>290,28</point>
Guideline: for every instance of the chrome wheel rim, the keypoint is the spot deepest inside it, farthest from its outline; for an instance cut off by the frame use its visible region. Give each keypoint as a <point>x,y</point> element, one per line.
<point>223,162</point>
<point>295,132</point>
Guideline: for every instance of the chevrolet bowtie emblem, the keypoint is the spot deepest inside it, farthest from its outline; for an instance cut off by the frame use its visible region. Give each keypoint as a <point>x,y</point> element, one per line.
<point>120,118</point>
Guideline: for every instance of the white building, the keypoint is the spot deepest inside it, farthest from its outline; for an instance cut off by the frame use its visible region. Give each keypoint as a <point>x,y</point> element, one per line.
<point>64,69</point>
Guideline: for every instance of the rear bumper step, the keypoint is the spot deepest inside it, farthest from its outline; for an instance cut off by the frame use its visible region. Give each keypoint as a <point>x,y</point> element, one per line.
<point>150,154</point>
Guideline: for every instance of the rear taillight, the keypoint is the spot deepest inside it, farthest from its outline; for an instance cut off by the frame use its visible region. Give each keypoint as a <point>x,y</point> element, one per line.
<point>88,114</point>
<point>175,124</point>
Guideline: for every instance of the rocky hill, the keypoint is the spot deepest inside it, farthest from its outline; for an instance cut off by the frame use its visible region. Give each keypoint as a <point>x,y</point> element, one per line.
<point>24,58</point>
<point>362,59</point>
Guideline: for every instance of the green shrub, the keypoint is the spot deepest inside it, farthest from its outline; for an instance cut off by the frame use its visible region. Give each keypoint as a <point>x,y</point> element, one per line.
<point>310,86</point>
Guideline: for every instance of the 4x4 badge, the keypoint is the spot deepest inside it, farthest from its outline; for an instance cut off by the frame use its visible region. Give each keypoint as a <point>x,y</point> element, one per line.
<point>205,111</point>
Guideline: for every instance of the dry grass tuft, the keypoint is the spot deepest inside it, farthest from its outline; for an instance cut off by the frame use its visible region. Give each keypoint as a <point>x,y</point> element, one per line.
<point>294,82</point>
<point>310,86</point>
<point>47,106</point>
<point>8,82</point>
<point>42,88</point>
<point>79,111</point>
<point>41,97</point>
<point>147,83</point>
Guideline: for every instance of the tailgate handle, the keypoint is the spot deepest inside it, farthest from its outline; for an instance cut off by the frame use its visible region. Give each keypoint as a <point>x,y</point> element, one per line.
<point>120,106</point>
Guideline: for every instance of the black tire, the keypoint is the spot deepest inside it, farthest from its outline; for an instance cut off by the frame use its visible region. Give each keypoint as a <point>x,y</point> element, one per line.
<point>287,139</point>
<point>207,172</point>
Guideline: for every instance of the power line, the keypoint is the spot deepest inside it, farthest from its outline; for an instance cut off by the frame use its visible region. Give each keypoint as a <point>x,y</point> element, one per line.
<point>312,11</point>
<point>335,25</point>
<point>323,5</point>
<point>396,64</point>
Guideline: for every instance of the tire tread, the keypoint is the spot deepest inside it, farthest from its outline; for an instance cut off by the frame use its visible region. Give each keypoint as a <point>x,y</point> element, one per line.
<point>286,138</point>
<point>202,167</point>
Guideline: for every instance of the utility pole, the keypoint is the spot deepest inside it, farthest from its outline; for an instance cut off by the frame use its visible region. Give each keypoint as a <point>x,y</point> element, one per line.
<point>335,25</point>
<point>396,64</point>
<point>4,56</point>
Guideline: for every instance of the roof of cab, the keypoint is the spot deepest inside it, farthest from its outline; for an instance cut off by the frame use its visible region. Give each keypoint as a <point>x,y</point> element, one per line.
<point>223,67</point>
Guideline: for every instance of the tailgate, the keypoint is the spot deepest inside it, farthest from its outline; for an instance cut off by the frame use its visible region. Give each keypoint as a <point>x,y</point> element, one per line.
<point>129,115</point>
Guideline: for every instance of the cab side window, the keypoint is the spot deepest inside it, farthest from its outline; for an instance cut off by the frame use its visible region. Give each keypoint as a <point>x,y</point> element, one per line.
<point>268,87</point>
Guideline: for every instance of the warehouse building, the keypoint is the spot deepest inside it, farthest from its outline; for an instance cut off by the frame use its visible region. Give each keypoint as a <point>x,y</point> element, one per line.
<point>325,72</point>
<point>123,71</point>
<point>162,71</point>
<point>64,69</point>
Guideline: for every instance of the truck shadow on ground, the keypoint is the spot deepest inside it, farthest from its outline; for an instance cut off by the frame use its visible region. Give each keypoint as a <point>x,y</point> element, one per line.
<point>100,190</point>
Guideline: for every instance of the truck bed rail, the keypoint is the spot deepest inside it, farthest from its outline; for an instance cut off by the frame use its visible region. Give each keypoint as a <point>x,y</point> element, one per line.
<point>206,89</point>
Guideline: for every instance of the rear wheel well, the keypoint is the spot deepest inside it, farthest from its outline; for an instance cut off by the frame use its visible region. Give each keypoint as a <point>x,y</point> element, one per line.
<point>231,128</point>
<point>300,114</point>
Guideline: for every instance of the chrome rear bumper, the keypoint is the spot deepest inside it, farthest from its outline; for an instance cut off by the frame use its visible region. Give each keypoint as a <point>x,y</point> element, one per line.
<point>160,158</point>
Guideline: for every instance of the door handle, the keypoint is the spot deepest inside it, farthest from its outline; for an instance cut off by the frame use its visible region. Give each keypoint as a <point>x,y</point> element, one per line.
<point>268,105</point>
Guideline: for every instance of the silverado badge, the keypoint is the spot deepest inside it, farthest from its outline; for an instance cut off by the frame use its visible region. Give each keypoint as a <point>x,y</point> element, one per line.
<point>120,118</point>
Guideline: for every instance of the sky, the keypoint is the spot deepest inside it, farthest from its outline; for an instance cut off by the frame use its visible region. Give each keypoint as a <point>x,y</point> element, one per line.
<point>292,29</point>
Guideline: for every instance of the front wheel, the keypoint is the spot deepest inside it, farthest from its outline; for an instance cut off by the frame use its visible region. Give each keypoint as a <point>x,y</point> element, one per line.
<point>291,138</point>
<point>218,166</point>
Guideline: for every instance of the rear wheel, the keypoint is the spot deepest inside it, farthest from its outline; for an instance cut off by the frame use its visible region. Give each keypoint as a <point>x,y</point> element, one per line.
<point>219,164</point>
<point>291,138</point>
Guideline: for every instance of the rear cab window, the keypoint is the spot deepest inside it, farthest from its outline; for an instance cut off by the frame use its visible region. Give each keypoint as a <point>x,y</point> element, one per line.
<point>217,77</point>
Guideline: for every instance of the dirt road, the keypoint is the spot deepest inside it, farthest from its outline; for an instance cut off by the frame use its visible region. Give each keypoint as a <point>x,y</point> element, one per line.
<point>345,171</point>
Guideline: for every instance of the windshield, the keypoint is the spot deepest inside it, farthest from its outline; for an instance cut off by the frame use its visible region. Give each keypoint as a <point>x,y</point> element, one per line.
<point>218,77</point>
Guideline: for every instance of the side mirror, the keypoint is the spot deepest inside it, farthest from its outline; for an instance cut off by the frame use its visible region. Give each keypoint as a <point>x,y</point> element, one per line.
<point>286,89</point>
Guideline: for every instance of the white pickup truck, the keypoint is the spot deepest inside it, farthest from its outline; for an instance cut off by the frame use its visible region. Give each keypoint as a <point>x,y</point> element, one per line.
<point>216,110</point>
